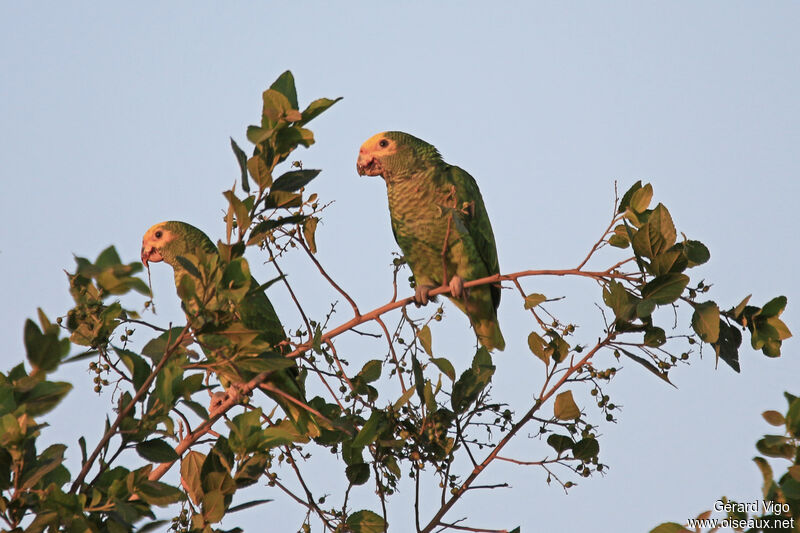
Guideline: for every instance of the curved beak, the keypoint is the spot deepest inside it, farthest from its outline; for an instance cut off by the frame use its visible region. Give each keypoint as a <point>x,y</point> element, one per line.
<point>150,254</point>
<point>367,165</point>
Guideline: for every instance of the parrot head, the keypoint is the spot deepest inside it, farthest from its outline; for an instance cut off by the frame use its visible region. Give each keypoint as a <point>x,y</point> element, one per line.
<point>392,152</point>
<point>156,244</point>
<point>166,241</point>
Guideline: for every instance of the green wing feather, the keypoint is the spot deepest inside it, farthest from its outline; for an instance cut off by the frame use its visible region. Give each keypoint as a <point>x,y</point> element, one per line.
<point>477,223</point>
<point>257,313</point>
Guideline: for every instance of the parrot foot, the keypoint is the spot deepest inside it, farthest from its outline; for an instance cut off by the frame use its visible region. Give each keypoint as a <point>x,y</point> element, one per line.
<point>234,392</point>
<point>421,295</point>
<point>457,287</point>
<point>217,399</point>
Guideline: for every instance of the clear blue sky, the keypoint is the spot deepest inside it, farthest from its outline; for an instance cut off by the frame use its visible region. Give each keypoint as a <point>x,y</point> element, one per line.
<point>113,118</point>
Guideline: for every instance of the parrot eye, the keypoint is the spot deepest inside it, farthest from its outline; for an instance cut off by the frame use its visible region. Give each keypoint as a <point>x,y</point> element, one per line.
<point>384,143</point>
<point>159,233</point>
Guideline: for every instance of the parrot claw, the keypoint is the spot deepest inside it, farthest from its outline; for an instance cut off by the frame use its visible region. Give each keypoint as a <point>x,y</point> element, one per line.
<point>233,392</point>
<point>217,399</point>
<point>457,287</point>
<point>421,295</point>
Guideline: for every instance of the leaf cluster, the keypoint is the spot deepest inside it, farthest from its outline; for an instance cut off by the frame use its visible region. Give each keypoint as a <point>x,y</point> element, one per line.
<point>408,414</point>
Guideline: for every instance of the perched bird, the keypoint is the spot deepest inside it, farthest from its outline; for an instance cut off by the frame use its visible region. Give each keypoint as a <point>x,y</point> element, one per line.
<point>441,225</point>
<point>171,242</point>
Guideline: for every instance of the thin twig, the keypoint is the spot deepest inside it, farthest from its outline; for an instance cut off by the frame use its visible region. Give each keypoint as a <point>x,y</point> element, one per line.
<point>128,408</point>
<point>511,433</point>
<point>245,388</point>
<point>330,280</point>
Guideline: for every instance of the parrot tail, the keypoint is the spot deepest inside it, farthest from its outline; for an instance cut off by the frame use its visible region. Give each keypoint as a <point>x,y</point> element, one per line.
<point>489,334</point>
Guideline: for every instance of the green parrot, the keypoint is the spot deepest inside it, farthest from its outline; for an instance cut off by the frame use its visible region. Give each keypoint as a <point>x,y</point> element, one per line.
<point>441,225</point>
<point>167,241</point>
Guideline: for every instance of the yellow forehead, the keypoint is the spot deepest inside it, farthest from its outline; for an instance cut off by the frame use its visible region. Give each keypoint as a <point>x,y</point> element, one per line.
<point>161,226</point>
<point>373,144</point>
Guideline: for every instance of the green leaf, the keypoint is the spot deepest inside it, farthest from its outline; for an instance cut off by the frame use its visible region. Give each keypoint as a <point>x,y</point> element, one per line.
<point>281,435</point>
<point>774,307</point>
<point>727,345</point>
<point>618,241</point>
<point>288,139</point>
<point>241,158</point>
<point>472,381</point>
<point>251,470</point>
<point>626,198</point>
<point>645,308</point>
<point>240,210</point>
<point>157,451</point>
<point>647,364</point>
<point>48,461</point>
<point>662,229</point>
<point>560,443</point>
<point>619,300</point>
<point>158,493</point>
<point>656,235</point>
<point>357,474</point>
<point>586,449</point>
<point>665,289</point>
<point>766,473</point>
<point>276,104</point>
<point>695,252</point>
<point>44,397</point>
<point>537,346</point>
<point>213,506</point>
<point>666,262</point>
<point>790,488</point>
<point>654,337</point>
<point>7,402</point>
<point>107,258</point>
<point>285,199</point>
<point>246,434</point>
<point>156,348</point>
<point>369,431</point>
<point>776,446</point>
<point>294,180</point>
<point>371,371</point>
<point>445,366</point>
<point>565,407</point>
<point>430,399</point>
<point>532,300</point>
<point>265,362</point>
<point>365,521</point>
<point>736,312</point>
<point>191,465</point>
<point>258,135</point>
<point>137,366</point>
<point>260,230</point>
<point>285,85</point>
<point>44,350</point>
<point>196,408</point>
<point>419,379</point>
<point>402,400</point>
<point>793,418</point>
<point>259,170</point>
<point>315,108</point>
<point>247,505</point>
<point>640,199</point>
<point>309,233</point>
<point>705,321</point>
<point>424,337</point>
